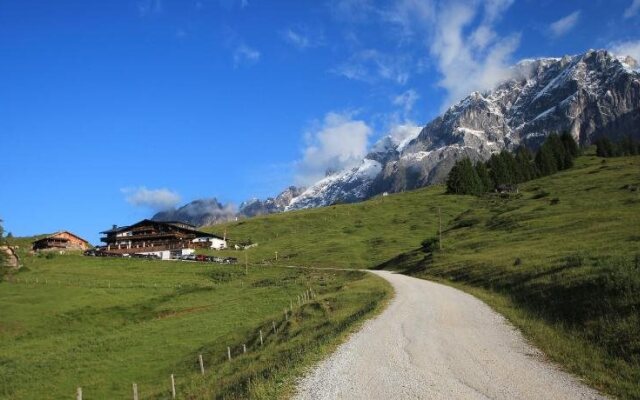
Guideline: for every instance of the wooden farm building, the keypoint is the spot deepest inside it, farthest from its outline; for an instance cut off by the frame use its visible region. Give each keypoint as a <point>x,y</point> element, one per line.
<point>63,240</point>
<point>164,239</point>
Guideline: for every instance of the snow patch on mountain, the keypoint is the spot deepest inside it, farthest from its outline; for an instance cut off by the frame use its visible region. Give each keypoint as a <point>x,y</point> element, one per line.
<point>347,186</point>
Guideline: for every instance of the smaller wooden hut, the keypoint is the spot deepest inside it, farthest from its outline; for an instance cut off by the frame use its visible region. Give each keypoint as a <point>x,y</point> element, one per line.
<point>63,240</point>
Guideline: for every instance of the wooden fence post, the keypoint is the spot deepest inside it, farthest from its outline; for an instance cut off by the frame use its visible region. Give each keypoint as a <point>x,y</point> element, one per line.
<point>173,387</point>
<point>79,394</point>
<point>229,352</point>
<point>201,363</point>
<point>135,392</point>
<point>273,323</point>
<point>244,348</point>
<point>260,337</point>
<point>286,316</point>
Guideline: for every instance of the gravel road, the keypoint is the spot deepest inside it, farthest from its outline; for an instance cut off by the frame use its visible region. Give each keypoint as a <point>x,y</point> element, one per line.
<point>436,342</point>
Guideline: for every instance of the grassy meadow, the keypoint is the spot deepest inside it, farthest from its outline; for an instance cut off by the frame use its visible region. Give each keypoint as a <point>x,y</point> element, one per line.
<point>560,259</point>
<point>103,324</point>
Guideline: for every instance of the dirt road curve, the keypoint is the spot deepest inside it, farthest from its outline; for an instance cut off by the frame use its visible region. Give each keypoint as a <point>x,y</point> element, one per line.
<point>436,342</point>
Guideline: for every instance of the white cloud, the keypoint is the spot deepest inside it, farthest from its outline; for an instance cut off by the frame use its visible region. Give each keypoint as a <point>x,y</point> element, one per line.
<point>156,199</point>
<point>404,132</point>
<point>629,48</point>
<point>471,62</point>
<point>460,37</point>
<point>564,25</point>
<point>373,66</point>
<point>406,100</point>
<point>339,142</point>
<point>245,55</point>
<point>297,39</point>
<point>410,15</point>
<point>633,9</point>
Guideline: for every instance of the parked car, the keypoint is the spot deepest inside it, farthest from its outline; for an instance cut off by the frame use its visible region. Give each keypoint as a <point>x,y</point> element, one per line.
<point>230,260</point>
<point>201,257</point>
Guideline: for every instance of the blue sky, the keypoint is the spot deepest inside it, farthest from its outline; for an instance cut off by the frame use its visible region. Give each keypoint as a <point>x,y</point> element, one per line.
<point>110,110</point>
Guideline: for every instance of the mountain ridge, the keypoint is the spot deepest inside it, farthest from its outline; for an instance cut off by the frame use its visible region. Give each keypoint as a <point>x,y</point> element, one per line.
<point>592,94</point>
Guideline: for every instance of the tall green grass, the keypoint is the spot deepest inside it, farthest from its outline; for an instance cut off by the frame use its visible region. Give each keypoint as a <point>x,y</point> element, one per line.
<point>103,324</point>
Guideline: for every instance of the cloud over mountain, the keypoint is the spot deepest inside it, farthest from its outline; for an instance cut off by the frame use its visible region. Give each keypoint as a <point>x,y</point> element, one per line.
<point>339,142</point>
<point>156,199</point>
<point>564,25</point>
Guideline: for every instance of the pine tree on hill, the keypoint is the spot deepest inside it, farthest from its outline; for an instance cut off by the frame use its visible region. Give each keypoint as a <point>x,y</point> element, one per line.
<point>463,179</point>
<point>498,170</point>
<point>483,175</point>
<point>515,174</point>
<point>604,147</point>
<point>628,146</point>
<point>527,168</point>
<point>570,145</point>
<point>504,169</point>
<point>557,148</point>
<point>546,161</point>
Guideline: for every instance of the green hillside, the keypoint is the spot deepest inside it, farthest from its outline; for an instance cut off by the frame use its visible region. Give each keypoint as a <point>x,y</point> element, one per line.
<point>560,258</point>
<point>69,321</point>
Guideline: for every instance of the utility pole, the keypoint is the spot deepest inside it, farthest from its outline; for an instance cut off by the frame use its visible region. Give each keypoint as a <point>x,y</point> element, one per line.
<point>439,228</point>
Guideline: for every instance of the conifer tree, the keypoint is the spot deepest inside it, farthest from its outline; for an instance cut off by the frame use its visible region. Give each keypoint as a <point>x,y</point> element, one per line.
<point>570,145</point>
<point>514,175</point>
<point>628,146</point>
<point>497,169</point>
<point>525,164</point>
<point>604,147</point>
<point>554,143</point>
<point>453,179</point>
<point>545,161</point>
<point>483,175</point>
<point>463,179</point>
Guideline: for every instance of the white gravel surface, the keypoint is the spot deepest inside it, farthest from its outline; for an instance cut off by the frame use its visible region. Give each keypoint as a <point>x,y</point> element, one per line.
<point>436,342</point>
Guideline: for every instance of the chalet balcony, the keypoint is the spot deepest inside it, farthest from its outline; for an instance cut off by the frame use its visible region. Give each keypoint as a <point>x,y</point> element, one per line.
<point>122,248</point>
<point>147,236</point>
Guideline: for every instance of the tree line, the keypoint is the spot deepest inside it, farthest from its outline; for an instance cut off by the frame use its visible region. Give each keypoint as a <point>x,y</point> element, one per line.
<point>507,170</point>
<point>627,146</point>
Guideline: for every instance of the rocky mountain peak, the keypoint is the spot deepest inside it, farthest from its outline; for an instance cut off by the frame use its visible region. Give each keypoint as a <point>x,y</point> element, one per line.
<point>589,95</point>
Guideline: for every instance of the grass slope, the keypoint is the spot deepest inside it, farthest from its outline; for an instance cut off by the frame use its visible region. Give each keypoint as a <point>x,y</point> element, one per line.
<point>102,324</point>
<point>560,259</point>
<point>362,235</point>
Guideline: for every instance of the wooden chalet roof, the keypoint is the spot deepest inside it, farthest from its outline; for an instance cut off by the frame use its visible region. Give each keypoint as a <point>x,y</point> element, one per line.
<point>176,224</point>
<point>55,236</point>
